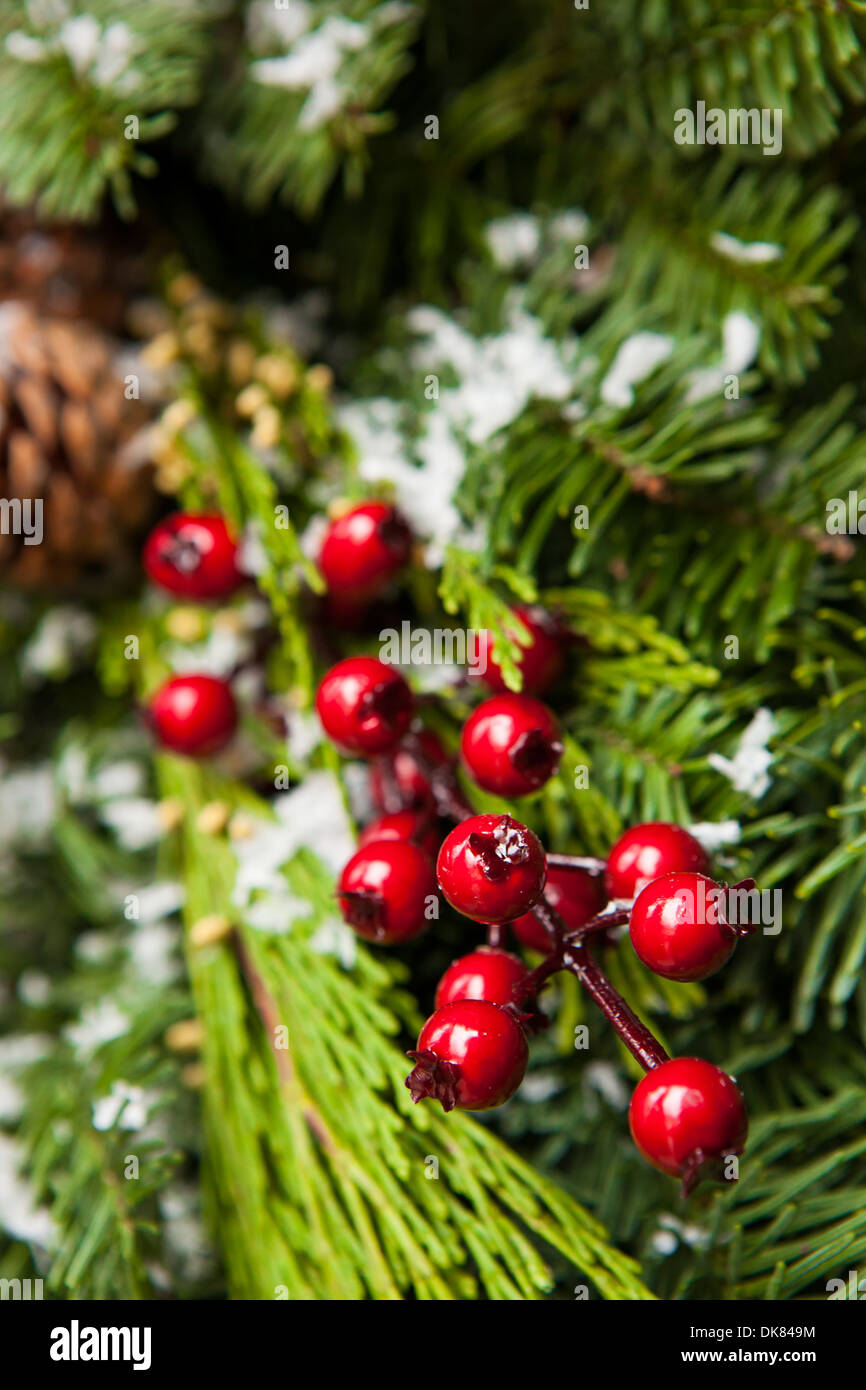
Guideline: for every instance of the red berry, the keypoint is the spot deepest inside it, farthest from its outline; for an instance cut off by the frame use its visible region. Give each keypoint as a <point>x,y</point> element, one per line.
<point>364,705</point>
<point>540,663</point>
<point>385,891</point>
<point>363,549</point>
<point>511,745</point>
<point>487,973</point>
<point>574,893</point>
<point>646,852</point>
<point>193,556</point>
<point>471,1054</point>
<point>403,825</point>
<point>399,780</point>
<point>195,715</point>
<point>686,1116</point>
<point>491,868</point>
<point>679,929</point>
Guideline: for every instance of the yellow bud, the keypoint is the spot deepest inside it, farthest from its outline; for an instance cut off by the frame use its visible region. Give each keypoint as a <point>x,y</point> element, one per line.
<point>267,427</point>
<point>170,813</point>
<point>193,1075</point>
<point>212,818</point>
<point>320,377</point>
<point>161,351</point>
<point>185,1036</point>
<point>177,416</point>
<point>208,930</point>
<point>252,399</point>
<point>240,359</point>
<point>278,373</point>
<point>241,827</point>
<point>185,624</point>
<point>338,507</point>
<point>184,288</point>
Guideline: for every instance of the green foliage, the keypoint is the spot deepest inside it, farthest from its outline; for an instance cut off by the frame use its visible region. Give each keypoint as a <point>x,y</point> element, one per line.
<point>71,76</point>
<point>340,1198</point>
<point>678,526</point>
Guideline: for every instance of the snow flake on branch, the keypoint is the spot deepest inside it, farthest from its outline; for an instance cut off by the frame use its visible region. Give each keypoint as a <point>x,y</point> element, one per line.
<point>317,50</point>
<point>98,55</point>
<point>514,240</point>
<point>636,359</point>
<point>519,240</point>
<point>714,835</point>
<point>19,1214</point>
<point>497,375</point>
<point>748,770</point>
<point>310,816</point>
<point>313,63</point>
<point>746,252</point>
<point>126,1106</point>
<point>741,337</point>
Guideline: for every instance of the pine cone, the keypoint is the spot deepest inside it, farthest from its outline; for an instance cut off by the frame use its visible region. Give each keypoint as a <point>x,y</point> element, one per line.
<point>70,439</point>
<point>68,271</point>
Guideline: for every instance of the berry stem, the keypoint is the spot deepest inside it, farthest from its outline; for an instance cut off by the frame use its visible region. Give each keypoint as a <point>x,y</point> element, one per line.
<point>602,921</point>
<point>587,862</point>
<point>571,954</point>
<point>640,1042</point>
<point>392,800</point>
<point>450,801</point>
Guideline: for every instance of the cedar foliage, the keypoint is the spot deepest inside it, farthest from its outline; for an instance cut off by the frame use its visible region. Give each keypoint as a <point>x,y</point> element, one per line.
<point>707,520</point>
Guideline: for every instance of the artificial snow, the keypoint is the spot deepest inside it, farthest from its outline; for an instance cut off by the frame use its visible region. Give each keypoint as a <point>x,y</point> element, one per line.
<point>19,1215</point>
<point>746,252</point>
<point>127,1106</point>
<point>741,337</point>
<point>313,63</point>
<point>748,770</point>
<point>514,240</point>
<point>134,821</point>
<point>334,938</point>
<point>28,806</point>
<point>636,359</point>
<point>64,635</point>
<point>714,836</point>
<point>310,816</point>
<point>97,1024</point>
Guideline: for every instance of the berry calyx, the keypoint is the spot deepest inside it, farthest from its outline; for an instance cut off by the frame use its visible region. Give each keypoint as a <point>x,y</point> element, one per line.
<point>363,549</point>
<point>491,868</point>
<point>385,891</point>
<point>487,973</point>
<point>364,705</point>
<point>678,927</point>
<point>399,780</point>
<point>646,852</point>
<point>574,894</point>
<point>471,1054</point>
<point>193,556</point>
<point>511,745</point>
<point>195,715</point>
<point>403,825</point>
<point>540,662</point>
<point>686,1117</point>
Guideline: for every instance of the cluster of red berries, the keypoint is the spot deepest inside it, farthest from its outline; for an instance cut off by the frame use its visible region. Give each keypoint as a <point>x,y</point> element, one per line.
<point>686,1115</point>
